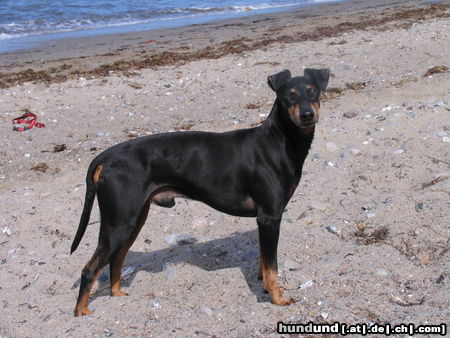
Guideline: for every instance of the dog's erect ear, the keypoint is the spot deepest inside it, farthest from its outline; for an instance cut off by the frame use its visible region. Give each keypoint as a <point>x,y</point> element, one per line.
<point>319,76</point>
<point>276,81</point>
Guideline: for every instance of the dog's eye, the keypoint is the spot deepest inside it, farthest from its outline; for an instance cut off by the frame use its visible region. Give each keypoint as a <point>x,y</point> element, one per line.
<point>312,93</point>
<point>292,96</point>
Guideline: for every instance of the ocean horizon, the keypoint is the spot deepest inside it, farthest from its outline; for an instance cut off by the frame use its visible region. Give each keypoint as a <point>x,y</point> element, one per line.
<point>29,23</point>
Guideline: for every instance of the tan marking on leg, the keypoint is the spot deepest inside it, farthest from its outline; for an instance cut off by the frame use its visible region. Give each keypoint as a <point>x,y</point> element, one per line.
<point>116,269</point>
<point>97,173</point>
<point>116,265</point>
<point>81,308</point>
<point>270,283</point>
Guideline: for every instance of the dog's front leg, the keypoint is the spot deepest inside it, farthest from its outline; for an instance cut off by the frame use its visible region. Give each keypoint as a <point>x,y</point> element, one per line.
<point>269,230</point>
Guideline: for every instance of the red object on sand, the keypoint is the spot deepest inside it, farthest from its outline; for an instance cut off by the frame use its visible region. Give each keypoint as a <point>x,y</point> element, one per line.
<point>29,119</point>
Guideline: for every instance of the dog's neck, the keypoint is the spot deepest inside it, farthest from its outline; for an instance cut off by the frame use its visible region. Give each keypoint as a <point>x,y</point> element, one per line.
<point>298,140</point>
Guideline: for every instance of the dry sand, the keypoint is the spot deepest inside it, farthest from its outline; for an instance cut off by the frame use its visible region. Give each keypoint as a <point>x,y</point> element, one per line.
<point>364,239</point>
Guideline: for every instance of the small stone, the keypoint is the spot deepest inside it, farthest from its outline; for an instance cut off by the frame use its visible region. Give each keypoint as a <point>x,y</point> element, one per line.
<point>154,304</point>
<point>324,315</point>
<point>100,134</point>
<point>333,230</point>
<point>306,285</point>
<point>350,114</point>
<point>199,223</point>
<point>387,200</point>
<point>410,113</point>
<point>171,239</point>
<point>128,270</point>
<point>319,206</point>
<point>170,270</point>
<point>32,211</point>
<point>331,146</point>
<point>42,167</point>
<point>186,239</point>
<point>103,277</point>
<point>381,272</point>
<point>362,177</point>
<point>27,155</point>
<point>59,147</point>
<point>356,152</point>
<point>441,278</point>
<point>303,215</point>
<point>441,133</point>
<point>442,174</point>
<point>291,265</point>
<point>313,313</point>
<point>343,270</point>
<point>419,207</point>
<point>370,215</point>
<point>330,164</point>
<point>398,151</point>
<point>439,103</point>
<point>7,231</point>
<point>206,310</point>
<point>424,259</point>
<point>446,139</point>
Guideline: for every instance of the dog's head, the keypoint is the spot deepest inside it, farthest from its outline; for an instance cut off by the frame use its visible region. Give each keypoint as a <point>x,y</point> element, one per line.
<point>300,95</point>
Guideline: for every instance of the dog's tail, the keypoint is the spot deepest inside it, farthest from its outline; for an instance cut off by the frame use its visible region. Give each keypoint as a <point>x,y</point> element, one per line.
<point>92,177</point>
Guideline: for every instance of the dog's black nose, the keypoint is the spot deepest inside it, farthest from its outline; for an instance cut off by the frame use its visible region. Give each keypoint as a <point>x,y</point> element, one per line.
<point>307,115</point>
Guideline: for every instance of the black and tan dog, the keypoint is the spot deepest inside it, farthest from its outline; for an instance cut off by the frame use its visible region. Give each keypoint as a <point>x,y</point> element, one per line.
<point>249,173</point>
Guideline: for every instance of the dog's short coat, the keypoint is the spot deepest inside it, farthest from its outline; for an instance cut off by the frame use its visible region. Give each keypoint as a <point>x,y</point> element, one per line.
<point>249,173</point>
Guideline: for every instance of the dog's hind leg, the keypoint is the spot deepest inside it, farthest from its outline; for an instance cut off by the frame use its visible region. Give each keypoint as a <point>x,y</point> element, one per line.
<point>122,216</point>
<point>88,276</point>
<point>117,259</point>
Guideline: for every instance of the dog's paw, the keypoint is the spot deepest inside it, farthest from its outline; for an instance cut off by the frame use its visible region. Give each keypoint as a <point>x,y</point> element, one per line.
<point>118,293</point>
<point>282,301</point>
<point>82,312</point>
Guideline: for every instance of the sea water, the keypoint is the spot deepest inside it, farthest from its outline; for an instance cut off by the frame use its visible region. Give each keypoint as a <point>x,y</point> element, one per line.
<point>28,21</point>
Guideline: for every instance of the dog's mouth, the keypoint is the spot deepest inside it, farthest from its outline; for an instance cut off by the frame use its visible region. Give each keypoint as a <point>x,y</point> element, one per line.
<point>307,125</point>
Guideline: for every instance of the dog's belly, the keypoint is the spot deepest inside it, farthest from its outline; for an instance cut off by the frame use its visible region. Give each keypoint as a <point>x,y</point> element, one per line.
<point>165,195</point>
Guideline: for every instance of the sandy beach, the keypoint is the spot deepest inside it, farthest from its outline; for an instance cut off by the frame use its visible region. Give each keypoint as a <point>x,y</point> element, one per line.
<point>364,239</point>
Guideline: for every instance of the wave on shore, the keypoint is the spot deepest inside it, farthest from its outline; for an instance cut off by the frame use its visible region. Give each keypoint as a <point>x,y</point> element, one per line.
<point>21,19</point>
